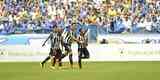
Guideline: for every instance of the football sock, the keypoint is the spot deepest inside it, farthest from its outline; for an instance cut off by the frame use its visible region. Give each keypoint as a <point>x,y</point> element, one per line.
<point>79,63</point>
<point>70,59</point>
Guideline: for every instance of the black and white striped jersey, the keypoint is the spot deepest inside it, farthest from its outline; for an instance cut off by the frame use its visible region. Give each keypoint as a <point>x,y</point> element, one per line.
<point>56,40</point>
<point>83,41</point>
<point>68,37</point>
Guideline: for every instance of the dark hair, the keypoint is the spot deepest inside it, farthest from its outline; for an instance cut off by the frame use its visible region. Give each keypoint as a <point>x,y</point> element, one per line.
<point>73,23</point>
<point>55,26</point>
<point>80,29</point>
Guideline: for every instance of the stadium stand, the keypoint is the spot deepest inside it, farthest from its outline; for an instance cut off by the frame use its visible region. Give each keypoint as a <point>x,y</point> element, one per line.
<point>108,16</point>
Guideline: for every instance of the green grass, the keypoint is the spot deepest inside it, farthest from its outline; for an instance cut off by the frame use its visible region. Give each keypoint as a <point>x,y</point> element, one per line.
<point>90,71</point>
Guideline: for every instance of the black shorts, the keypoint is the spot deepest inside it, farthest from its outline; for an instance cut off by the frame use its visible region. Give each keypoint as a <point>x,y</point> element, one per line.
<point>57,53</point>
<point>83,53</point>
<point>67,47</point>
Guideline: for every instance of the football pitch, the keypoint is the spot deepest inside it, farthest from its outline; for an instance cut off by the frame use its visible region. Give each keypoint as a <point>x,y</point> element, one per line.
<point>90,71</point>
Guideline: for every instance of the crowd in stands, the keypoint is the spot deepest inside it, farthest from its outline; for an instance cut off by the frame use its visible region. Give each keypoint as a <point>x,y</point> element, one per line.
<point>110,16</point>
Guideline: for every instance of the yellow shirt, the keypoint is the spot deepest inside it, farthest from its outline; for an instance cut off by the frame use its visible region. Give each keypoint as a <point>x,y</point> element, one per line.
<point>112,13</point>
<point>24,13</point>
<point>20,14</point>
<point>126,6</point>
<point>92,19</point>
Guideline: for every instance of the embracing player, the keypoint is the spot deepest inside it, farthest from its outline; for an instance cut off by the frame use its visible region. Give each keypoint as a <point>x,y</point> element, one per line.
<point>68,38</point>
<point>55,50</point>
<point>82,41</point>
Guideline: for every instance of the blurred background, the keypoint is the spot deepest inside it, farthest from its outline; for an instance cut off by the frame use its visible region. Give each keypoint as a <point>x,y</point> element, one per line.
<point>104,16</point>
<point>25,24</point>
<point>124,35</point>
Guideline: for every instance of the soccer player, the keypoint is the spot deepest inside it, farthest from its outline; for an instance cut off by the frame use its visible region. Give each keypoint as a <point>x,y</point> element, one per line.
<point>55,38</point>
<point>68,38</point>
<point>57,53</point>
<point>83,52</point>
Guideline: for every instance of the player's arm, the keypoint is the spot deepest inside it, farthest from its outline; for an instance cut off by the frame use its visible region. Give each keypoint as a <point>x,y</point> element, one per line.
<point>62,42</point>
<point>86,35</point>
<point>85,32</point>
<point>75,39</point>
<point>78,40</point>
<point>46,40</point>
<point>86,40</point>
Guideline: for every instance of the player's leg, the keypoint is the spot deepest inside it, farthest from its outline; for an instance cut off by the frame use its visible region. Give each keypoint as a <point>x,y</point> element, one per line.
<point>47,58</point>
<point>44,61</point>
<point>71,59</point>
<point>59,57</point>
<point>70,56</point>
<point>83,55</point>
<point>80,57</point>
<point>56,56</point>
<point>60,63</point>
<point>65,54</point>
<point>86,53</point>
<point>53,62</point>
<point>66,51</point>
<point>53,58</point>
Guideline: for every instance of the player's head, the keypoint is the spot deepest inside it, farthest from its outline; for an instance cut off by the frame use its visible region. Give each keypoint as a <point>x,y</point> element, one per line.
<point>59,29</point>
<point>55,29</point>
<point>82,31</point>
<point>73,26</point>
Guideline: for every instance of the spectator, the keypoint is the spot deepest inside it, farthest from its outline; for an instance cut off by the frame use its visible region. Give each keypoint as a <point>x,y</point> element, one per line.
<point>148,24</point>
<point>127,23</point>
<point>1,27</point>
<point>66,12</point>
